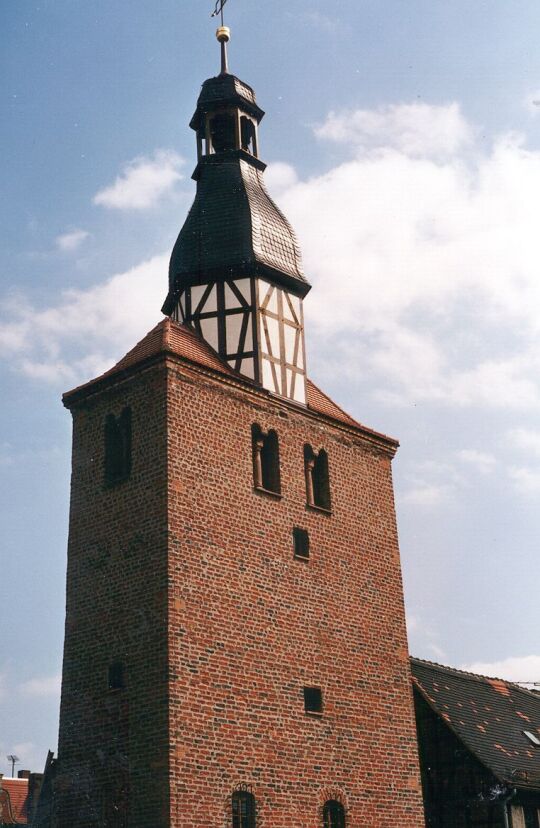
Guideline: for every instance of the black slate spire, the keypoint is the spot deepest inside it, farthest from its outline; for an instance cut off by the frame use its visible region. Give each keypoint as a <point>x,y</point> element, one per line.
<point>233,229</point>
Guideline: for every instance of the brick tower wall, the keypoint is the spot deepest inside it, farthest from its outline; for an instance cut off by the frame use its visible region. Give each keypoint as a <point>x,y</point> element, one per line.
<point>186,574</point>
<point>250,626</point>
<point>113,743</point>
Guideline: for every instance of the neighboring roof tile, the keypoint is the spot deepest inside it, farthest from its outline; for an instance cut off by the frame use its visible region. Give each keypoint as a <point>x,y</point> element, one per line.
<point>489,716</point>
<point>17,791</point>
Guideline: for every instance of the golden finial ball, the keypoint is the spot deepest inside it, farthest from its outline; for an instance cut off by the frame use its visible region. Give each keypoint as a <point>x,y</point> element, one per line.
<point>223,34</point>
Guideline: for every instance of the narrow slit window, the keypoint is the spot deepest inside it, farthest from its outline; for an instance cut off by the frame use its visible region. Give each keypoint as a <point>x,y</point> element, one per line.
<point>243,810</point>
<point>249,135</point>
<point>266,474</point>
<point>317,478</point>
<point>116,677</point>
<point>117,447</point>
<point>301,543</point>
<point>313,701</point>
<point>333,814</point>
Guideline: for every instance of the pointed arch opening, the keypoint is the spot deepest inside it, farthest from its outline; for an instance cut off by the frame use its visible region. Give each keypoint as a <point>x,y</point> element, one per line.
<point>243,809</point>
<point>333,814</point>
<point>248,135</point>
<point>265,447</point>
<point>222,132</point>
<point>317,478</point>
<point>117,447</point>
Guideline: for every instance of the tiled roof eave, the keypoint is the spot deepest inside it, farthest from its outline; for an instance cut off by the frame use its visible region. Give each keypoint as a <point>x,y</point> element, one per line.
<point>425,695</point>
<point>445,689</point>
<point>376,440</point>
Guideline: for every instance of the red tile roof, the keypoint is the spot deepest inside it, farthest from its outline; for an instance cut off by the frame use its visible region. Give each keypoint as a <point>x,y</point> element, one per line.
<point>317,400</point>
<point>13,801</point>
<point>167,337</point>
<point>488,716</point>
<point>171,337</point>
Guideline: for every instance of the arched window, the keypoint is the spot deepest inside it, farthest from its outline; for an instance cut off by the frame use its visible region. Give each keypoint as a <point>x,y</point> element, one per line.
<point>333,814</point>
<point>265,447</point>
<point>116,678</point>
<point>243,810</point>
<point>115,799</point>
<point>317,479</point>
<point>117,447</point>
<point>248,134</point>
<point>223,132</point>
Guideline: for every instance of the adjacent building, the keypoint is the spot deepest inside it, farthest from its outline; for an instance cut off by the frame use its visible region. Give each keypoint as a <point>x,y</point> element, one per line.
<point>479,745</point>
<point>19,798</point>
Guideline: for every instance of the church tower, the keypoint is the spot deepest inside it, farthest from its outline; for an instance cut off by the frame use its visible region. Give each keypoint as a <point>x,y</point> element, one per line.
<point>235,650</point>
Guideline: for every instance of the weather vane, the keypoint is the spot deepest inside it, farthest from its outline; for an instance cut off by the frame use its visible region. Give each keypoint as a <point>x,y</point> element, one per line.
<point>223,34</point>
<point>219,9</point>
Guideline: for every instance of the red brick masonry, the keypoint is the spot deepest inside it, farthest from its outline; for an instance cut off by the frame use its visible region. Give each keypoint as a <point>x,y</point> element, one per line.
<point>186,574</point>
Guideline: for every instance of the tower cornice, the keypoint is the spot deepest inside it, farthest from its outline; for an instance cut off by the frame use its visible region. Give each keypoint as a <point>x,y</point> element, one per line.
<point>180,345</point>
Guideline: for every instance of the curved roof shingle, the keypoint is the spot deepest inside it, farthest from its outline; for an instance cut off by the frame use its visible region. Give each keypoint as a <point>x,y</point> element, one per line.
<point>234,229</point>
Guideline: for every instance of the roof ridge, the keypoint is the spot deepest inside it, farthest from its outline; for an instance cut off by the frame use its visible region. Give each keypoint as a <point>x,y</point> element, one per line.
<point>166,342</point>
<point>345,413</point>
<point>163,338</point>
<point>467,674</point>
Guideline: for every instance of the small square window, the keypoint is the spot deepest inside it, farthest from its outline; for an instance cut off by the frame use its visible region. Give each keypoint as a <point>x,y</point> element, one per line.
<point>301,543</point>
<point>116,679</point>
<point>313,700</point>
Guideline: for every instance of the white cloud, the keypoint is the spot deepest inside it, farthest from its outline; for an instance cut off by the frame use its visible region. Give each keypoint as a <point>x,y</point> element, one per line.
<point>142,182</point>
<point>514,668</point>
<point>526,481</point>
<point>424,270</point>
<point>432,484</point>
<point>279,177</point>
<point>429,266</point>
<point>85,331</point>
<point>526,440</point>
<point>426,495</point>
<point>42,686</point>
<point>71,240</point>
<point>481,461</point>
<point>416,129</point>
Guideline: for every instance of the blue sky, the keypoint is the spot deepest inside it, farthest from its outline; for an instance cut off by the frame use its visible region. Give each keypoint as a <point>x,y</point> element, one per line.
<point>403,143</point>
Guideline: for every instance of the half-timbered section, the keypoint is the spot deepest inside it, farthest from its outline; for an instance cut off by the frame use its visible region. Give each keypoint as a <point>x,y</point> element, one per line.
<point>223,314</point>
<point>281,336</point>
<point>256,326</point>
